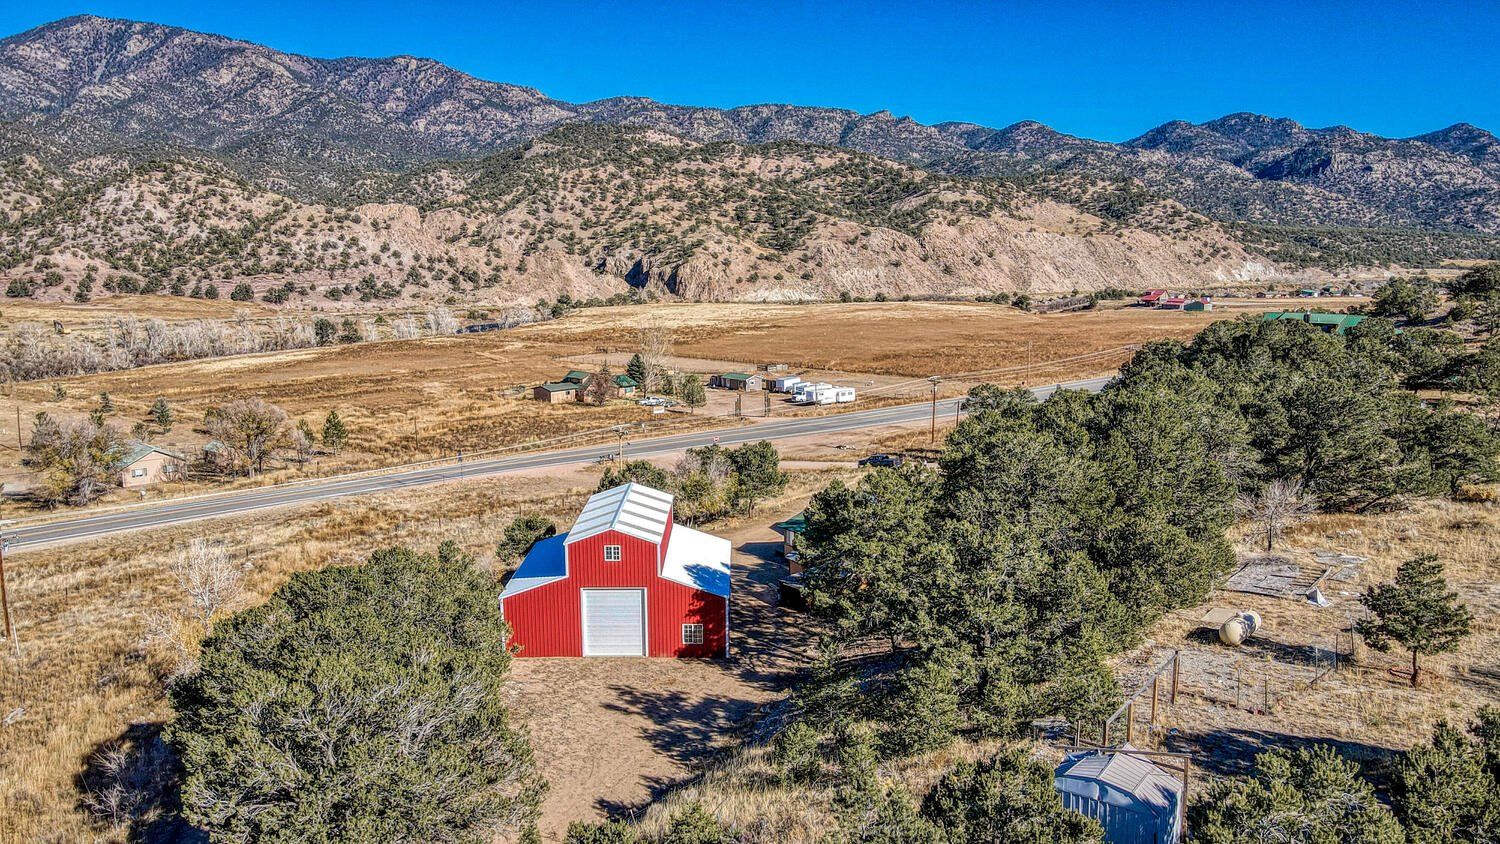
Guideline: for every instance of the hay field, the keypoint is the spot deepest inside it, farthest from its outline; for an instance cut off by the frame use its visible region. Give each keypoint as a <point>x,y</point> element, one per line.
<point>420,399</point>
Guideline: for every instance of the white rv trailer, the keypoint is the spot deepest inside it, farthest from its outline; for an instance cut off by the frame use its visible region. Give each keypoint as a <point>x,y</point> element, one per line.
<point>843,394</point>
<point>785,385</point>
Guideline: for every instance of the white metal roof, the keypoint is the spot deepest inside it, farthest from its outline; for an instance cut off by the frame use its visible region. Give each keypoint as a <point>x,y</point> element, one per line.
<point>697,559</point>
<point>639,511</point>
<point>1121,780</point>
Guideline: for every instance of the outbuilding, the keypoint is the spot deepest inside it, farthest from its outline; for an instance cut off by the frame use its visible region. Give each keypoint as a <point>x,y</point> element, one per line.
<point>1202,304</point>
<point>562,392</point>
<point>739,381</point>
<point>144,464</point>
<point>623,581</point>
<point>1136,801</point>
<point>626,386</point>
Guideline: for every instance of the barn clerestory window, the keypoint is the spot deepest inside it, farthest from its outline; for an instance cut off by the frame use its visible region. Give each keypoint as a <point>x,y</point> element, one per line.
<point>611,553</point>
<point>692,634</point>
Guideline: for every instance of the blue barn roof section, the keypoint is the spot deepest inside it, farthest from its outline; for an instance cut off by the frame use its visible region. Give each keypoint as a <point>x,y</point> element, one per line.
<point>545,562</point>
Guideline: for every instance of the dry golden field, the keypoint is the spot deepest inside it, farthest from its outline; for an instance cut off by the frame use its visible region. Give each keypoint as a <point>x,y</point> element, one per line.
<point>427,398</point>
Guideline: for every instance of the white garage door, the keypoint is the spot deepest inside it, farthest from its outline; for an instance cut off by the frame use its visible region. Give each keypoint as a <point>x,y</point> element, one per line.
<point>614,622</point>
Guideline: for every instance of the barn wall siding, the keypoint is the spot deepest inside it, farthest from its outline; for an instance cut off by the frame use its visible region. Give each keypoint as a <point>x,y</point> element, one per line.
<point>547,620</point>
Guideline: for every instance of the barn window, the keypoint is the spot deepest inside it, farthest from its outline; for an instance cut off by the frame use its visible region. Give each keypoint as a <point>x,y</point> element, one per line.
<point>611,553</point>
<point>692,634</point>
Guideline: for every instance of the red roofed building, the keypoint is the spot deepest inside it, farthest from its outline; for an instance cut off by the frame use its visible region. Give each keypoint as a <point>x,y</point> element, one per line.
<point>1150,297</point>
<point>623,581</point>
<point>1172,303</point>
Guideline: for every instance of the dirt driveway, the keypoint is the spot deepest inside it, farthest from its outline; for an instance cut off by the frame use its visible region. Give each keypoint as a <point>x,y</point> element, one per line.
<point>612,733</point>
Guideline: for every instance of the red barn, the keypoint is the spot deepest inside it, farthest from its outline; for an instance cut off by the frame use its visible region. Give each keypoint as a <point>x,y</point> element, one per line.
<point>624,581</point>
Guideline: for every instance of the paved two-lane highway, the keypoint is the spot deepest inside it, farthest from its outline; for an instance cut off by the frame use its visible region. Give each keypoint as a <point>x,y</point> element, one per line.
<point>250,500</point>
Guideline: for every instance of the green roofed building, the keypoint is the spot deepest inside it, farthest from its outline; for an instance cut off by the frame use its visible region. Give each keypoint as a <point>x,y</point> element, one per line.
<point>627,385</point>
<point>559,393</point>
<point>1335,323</point>
<point>577,376</point>
<point>790,530</point>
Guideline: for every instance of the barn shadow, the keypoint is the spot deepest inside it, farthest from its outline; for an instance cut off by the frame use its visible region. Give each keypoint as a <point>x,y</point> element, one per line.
<point>768,643</point>
<point>1232,752</point>
<point>131,782</point>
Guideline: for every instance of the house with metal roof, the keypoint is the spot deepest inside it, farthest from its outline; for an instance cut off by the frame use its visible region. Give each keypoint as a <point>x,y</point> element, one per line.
<point>624,580</point>
<point>1135,800</point>
<point>1334,323</point>
<point>560,392</point>
<point>143,464</point>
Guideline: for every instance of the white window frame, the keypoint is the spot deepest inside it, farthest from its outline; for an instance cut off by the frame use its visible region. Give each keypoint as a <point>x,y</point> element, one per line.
<point>138,473</point>
<point>692,634</point>
<point>611,553</point>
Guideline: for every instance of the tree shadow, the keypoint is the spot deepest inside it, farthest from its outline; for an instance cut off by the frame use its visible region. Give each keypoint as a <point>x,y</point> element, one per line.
<point>1232,752</point>
<point>132,782</point>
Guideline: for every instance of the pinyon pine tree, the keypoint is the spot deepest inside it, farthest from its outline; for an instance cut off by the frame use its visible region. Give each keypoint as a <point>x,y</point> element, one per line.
<point>335,435</point>
<point>1417,612</point>
<point>359,704</point>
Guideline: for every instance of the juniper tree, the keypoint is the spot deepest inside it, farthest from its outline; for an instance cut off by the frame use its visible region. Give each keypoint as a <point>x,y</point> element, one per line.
<point>691,388</point>
<point>389,673</point>
<point>335,434</point>
<point>1308,796</point>
<point>1417,611</point>
<point>523,532</point>
<point>1445,792</point>
<point>1008,797</point>
<point>161,414</point>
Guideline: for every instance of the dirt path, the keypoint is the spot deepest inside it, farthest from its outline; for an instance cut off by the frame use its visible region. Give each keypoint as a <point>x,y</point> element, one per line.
<point>610,734</point>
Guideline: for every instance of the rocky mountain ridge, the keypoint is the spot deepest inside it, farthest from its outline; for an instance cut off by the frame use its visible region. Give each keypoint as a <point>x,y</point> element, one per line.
<point>304,125</point>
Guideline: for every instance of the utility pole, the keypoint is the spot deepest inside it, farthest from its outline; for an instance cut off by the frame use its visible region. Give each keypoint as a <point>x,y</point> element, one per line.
<point>935,380</point>
<point>768,403</point>
<point>737,400</point>
<point>620,431</point>
<point>18,428</point>
<point>10,629</point>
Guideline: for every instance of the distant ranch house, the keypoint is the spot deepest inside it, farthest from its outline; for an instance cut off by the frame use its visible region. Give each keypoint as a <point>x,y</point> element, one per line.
<point>748,383</point>
<point>1333,323</point>
<point>575,387</point>
<point>144,464</point>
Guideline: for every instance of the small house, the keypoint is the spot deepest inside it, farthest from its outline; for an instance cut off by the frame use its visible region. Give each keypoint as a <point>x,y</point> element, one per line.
<point>626,386</point>
<point>739,381</point>
<point>561,392</point>
<point>144,464</point>
<point>624,580</point>
<point>1136,801</point>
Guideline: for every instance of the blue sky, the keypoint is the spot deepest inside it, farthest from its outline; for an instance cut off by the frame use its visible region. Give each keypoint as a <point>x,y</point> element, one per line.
<point>1107,70</point>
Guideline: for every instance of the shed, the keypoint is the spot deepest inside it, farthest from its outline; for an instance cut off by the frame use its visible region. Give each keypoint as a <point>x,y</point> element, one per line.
<point>623,581</point>
<point>739,381</point>
<point>1203,304</point>
<point>790,531</point>
<point>576,376</point>
<point>626,385</point>
<point>1172,303</point>
<point>558,393</point>
<point>144,464</point>
<point>1135,801</point>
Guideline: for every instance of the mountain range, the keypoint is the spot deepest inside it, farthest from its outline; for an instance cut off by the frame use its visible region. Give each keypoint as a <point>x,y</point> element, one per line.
<point>88,98</point>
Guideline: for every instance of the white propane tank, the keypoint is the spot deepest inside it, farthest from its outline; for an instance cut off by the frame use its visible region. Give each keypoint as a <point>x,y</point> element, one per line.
<point>1232,632</point>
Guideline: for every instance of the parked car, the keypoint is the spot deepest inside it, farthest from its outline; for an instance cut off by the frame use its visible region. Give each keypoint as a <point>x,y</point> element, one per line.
<point>890,461</point>
<point>651,401</point>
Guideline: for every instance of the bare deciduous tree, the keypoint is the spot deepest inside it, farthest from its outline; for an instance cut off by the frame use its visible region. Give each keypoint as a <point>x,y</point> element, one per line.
<point>1279,505</point>
<point>440,321</point>
<point>251,429</point>
<point>211,581</point>
<point>600,387</point>
<point>655,347</point>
